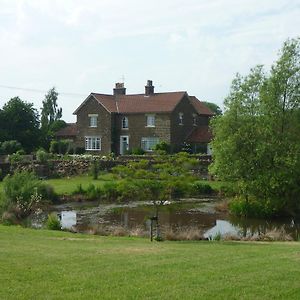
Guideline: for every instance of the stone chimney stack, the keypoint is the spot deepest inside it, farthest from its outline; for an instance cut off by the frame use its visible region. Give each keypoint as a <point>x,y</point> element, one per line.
<point>149,88</point>
<point>119,89</point>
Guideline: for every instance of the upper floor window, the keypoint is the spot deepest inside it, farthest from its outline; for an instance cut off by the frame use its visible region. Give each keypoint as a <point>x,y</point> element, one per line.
<point>125,123</point>
<point>150,120</point>
<point>180,118</point>
<point>194,119</point>
<point>93,120</point>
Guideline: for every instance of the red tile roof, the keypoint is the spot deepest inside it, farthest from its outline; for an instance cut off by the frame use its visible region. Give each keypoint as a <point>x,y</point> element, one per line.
<point>201,108</point>
<point>201,134</point>
<point>139,103</point>
<point>68,131</point>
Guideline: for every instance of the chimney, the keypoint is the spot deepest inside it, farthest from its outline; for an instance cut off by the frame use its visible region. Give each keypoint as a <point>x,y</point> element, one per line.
<point>149,88</point>
<point>119,89</point>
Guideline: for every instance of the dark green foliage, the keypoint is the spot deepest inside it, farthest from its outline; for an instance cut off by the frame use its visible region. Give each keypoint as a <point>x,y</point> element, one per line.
<point>60,146</point>
<point>19,121</point>
<point>213,107</point>
<point>52,222</point>
<point>10,147</point>
<point>137,151</point>
<point>199,188</point>
<point>163,148</point>
<point>1,174</point>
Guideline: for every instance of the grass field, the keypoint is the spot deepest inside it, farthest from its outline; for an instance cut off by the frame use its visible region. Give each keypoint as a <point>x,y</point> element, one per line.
<point>66,185</point>
<point>40,264</point>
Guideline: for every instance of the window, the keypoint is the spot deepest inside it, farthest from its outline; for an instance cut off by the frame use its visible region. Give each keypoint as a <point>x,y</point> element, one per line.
<point>93,120</point>
<point>194,119</point>
<point>148,143</point>
<point>150,120</point>
<point>92,143</point>
<point>180,118</point>
<point>125,123</point>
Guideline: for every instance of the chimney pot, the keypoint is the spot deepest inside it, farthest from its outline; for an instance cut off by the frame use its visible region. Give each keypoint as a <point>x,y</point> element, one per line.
<point>149,88</point>
<point>119,89</point>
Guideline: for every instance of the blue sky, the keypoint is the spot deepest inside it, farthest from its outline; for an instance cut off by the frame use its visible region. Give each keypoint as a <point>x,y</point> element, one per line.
<point>84,46</point>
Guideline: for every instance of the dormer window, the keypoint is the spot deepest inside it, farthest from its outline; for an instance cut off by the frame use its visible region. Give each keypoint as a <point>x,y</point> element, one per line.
<point>180,118</point>
<point>93,120</point>
<point>125,123</point>
<point>150,120</point>
<point>194,119</point>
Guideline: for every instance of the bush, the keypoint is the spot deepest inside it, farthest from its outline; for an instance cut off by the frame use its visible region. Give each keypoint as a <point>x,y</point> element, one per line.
<point>42,156</point>
<point>53,222</point>
<point>93,192</point>
<point>253,208</point>
<point>1,174</point>
<point>163,146</point>
<point>60,147</point>
<point>199,188</point>
<point>110,192</point>
<point>22,191</point>
<point>10,147</point>
<point>15,158</point>
<point>137,151</point>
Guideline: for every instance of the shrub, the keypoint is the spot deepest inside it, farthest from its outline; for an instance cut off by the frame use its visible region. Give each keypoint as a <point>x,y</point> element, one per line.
<point>128,190</point>
<point>42,156</point>
<point>53,222</point>
<point>110,191</point>
<point>22,191</point>
<point>10,147</point>
<point>15,158</point>
<point>163,146</point>
<point>60,147</point>
<point>253,208</point>
<point>199,188</point>
<point>137,151</point>
<point>1,174</point>
<point>93,192</point>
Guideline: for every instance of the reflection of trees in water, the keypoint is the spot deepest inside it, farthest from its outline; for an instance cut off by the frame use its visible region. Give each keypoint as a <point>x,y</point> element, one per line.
<point>251,227</point>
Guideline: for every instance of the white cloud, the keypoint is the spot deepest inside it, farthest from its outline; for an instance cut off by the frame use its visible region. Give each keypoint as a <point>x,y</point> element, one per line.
<point>197,45</point>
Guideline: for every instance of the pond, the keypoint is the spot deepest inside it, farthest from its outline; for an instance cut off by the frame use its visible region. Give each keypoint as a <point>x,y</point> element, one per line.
<point>199,214</point>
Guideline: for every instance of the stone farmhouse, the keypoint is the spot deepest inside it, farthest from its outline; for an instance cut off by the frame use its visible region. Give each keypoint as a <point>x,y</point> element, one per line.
<point>119,122</point>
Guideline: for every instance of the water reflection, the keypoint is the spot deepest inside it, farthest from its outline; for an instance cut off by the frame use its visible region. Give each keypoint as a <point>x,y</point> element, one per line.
<point>183,215</point>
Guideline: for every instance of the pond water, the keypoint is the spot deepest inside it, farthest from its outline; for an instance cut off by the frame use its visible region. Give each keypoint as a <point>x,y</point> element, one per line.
<point>199,214</point>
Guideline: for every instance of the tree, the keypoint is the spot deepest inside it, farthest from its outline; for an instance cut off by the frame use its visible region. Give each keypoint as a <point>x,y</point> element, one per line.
<point>50,116</point>
<point>256,142</point>
<point>20,121</point>
<point>213,107</point>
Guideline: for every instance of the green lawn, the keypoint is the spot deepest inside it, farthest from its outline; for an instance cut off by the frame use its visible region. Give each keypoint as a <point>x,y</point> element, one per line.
<point>66,185</point>
<point>40,264</point>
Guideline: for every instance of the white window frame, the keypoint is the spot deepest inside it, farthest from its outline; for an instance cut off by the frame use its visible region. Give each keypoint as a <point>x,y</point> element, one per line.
<point>150,120</point>
<point>125,123</point>
<point>180,116</point>
<point>149,142</point>
<point>93,143</point>
<point>93,120</point>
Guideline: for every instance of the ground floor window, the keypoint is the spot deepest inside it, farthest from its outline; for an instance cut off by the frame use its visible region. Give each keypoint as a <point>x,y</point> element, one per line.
<point>148,143</point>
<point>92,143</point>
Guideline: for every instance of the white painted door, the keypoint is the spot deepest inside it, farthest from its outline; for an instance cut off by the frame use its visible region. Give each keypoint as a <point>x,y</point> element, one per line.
<point>124,144</point>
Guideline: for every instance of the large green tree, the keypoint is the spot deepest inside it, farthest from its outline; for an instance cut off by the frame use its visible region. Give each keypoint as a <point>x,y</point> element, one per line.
<point>20,121</point>
<point>256,142</point>
<point>50,116</point>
